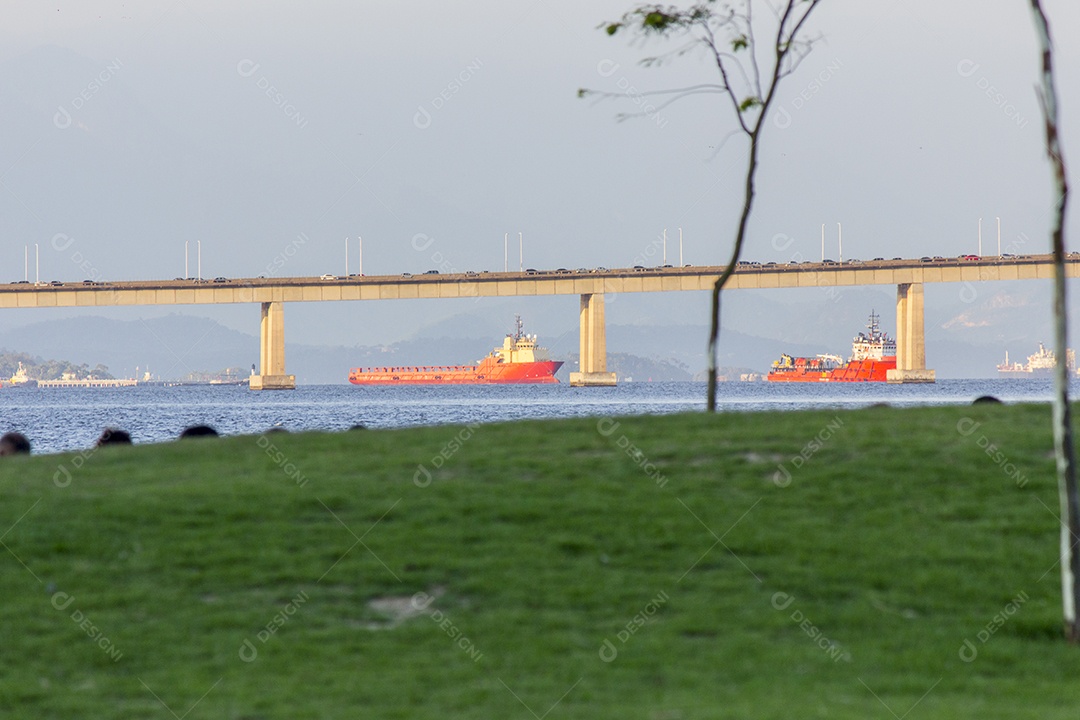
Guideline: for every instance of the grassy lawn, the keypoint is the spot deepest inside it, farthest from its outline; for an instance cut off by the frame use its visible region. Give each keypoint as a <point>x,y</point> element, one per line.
<point>656,567</point>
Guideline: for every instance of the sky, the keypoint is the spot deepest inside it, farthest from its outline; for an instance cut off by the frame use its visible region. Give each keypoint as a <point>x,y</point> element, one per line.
<point>270,132</point>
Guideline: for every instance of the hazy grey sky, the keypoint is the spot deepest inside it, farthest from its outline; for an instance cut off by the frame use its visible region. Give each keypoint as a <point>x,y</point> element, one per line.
<point>271,131</point>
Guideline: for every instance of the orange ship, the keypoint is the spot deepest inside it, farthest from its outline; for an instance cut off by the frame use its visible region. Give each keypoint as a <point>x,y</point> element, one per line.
<point>519,360</point>
<point>873,354</point>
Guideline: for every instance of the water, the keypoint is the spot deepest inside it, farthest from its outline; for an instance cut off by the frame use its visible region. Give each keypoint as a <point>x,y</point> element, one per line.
<point>72,418</point>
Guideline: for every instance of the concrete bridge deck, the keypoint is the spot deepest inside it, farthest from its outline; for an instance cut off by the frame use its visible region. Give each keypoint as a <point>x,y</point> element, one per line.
<point>499,284</point>
<point>908,276</point>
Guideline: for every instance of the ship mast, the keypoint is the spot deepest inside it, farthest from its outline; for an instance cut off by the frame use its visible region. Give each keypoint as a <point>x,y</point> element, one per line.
<point>517,322</point>
<point>873,325</point>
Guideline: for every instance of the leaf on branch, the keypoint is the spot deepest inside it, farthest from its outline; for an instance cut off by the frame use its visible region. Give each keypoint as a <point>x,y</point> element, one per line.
<point>749,103</point>
<point>582,92</point>
<point>740,43</point>
<point>613,28</point>
<point>657,19</point>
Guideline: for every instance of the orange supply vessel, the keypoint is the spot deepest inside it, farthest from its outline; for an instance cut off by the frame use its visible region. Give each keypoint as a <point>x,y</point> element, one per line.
<point>519,360</point>
<point>873,354</point>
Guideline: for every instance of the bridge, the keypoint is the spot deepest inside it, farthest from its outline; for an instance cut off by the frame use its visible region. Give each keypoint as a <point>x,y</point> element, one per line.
<point>908,275</point>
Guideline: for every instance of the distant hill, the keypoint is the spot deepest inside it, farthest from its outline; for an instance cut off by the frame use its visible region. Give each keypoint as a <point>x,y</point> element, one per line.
<point>37,368</point>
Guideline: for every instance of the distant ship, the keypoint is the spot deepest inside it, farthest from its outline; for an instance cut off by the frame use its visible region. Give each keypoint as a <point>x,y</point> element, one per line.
<point>519,360</point>
<point>873,354</point>
<point>1040,364</point>
<point>19,379</point>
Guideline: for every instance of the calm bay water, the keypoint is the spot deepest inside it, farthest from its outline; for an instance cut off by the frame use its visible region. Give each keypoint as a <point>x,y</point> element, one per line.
<point>56,420</point>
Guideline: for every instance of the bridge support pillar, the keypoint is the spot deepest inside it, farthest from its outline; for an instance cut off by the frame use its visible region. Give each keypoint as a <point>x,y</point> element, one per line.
<point>272,351</point>
<point>910,337</point>
<point>593,356</point>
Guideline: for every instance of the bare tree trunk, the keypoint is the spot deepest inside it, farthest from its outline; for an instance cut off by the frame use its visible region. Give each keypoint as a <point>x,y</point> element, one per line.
<point>1063,440</point>
<point>714,327</point>
<point>750,99</point>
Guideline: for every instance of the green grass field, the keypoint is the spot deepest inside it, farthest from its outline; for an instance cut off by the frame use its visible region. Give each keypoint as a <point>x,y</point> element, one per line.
<point>689,566</point>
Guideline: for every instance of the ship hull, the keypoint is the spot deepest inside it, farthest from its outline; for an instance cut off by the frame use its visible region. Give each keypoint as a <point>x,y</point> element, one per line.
<point>853,371</point>
<point>532,373</point>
